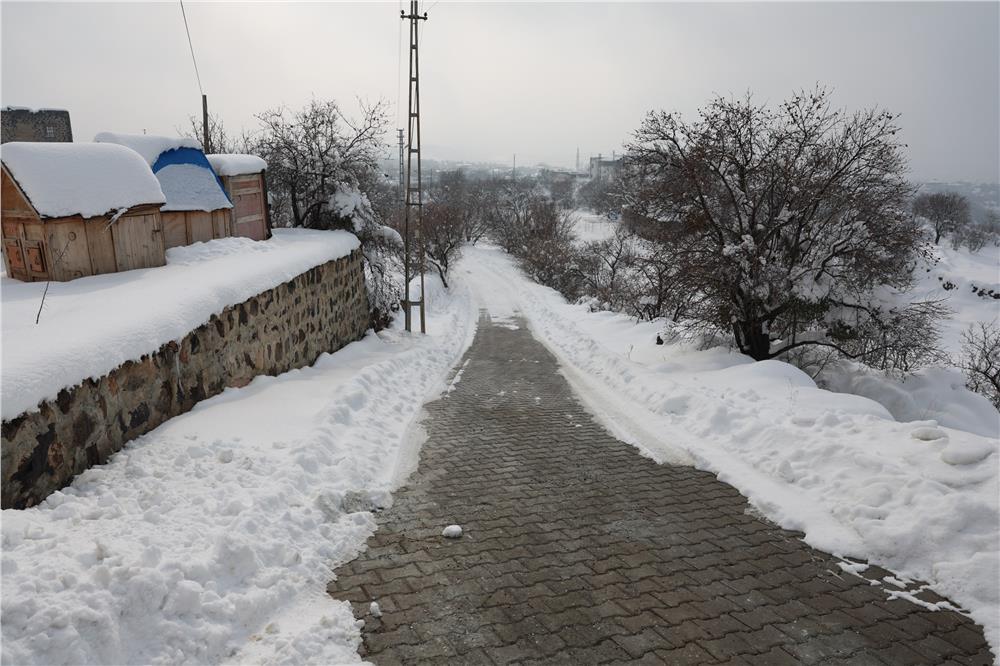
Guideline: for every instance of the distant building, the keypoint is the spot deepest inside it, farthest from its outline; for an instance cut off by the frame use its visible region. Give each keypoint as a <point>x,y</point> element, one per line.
<point>22,124</point>
<point>604,169</point>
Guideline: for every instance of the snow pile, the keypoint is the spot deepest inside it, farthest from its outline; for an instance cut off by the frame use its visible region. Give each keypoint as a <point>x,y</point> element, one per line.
<point>63,179</point>
<point>955,278</point>
<point>212,538</point>
<point>916,497</point>
<point>148,145</point>
<point>191,187</point>
<point>121,316</point>
<point>452,532</point>
<point>936,393</point>
<point>235,164</point>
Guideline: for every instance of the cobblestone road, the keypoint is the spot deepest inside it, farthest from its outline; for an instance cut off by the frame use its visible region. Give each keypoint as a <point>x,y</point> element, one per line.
<point>577,550</point>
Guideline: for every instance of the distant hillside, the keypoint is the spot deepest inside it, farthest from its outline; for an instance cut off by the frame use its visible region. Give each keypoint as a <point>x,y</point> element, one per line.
<point>981,196</point>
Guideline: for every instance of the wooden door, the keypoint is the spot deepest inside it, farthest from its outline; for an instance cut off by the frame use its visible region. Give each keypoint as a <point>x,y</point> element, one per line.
<point>68,249</point>
<point>248,206</point>
<point>13,253</point>
<point>199,225</point>
<point>138,241</point>
<point>174,229</point>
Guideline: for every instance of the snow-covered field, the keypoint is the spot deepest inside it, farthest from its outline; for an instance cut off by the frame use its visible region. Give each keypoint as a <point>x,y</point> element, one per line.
<point>963,270</point>
<point>91,325</point>
<point>592,226</point>
<point>212,538</point>
<point>915,497</point>
<point>938,392</point>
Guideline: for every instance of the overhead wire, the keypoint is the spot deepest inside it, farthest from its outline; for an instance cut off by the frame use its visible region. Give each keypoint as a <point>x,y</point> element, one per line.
<point>194,60</point>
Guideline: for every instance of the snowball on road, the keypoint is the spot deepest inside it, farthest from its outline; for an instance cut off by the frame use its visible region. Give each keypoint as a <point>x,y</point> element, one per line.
<point>452,532</point>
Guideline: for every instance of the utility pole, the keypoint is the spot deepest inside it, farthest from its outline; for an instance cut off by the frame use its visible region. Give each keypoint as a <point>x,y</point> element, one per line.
<point>513,169</point>
<point>401,171</point>
<point>204,123</point>
<point>578,159</point>
<point>414,195</point>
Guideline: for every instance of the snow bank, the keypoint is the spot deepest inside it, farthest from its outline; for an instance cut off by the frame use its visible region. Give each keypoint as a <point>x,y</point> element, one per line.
<point>915,497</point>
<point>236,165</point>
<point>212,538</point>
<point>92,325</point>
<point>931,393</point>
<point>148,145</point>
<point>63,179</point>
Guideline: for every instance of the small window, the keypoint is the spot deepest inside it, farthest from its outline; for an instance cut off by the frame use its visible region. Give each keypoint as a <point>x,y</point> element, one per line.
<point>50,132</point>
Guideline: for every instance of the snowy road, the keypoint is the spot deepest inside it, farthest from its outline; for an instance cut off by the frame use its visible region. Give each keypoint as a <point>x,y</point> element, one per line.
<point>211,538</point>
<point>575,549</point>
<point>914,497</point>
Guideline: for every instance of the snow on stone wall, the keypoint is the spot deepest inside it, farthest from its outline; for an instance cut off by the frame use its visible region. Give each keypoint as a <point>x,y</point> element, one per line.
<point>282,328</point>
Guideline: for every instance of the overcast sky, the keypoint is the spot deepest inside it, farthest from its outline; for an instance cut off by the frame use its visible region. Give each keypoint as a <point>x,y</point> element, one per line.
<point>536,79</point>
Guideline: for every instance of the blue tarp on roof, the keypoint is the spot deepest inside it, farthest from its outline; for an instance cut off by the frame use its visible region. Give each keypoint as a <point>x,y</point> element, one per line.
<point>189,182</point>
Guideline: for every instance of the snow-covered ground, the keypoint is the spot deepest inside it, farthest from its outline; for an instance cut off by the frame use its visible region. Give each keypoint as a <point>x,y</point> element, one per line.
<point>915,497</point>
<point>964,270</point>
<point>212,538</point>
<point>592,226</point>
<point>938,392</point>
<point>91,325</point>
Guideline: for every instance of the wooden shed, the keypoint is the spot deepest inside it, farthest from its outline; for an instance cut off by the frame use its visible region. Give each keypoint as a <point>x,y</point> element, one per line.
<point>197,207</point>
<point>244,177</point>
<point>69,210</point>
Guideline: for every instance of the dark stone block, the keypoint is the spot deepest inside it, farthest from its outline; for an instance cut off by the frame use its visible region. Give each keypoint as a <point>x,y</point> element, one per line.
<point>138,416</point>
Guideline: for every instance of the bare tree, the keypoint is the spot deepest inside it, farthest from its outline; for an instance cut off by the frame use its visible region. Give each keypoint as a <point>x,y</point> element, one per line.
<point>606,268</point>
<point>218,137</point>
<point>981,360</point>
<point>443,235</point>
<point>947,212</point>
<point>788,226</point>
<point>313,152</point>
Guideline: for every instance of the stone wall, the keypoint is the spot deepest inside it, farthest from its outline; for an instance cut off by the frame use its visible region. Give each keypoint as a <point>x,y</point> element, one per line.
<point>283,328</point>
<point>18,124</point>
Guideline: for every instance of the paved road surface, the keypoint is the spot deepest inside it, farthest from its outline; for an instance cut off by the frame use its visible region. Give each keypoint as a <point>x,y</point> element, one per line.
<point>578,550</point>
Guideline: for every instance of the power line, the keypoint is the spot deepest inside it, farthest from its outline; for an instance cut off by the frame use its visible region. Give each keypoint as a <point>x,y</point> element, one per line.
<point>191,46</point>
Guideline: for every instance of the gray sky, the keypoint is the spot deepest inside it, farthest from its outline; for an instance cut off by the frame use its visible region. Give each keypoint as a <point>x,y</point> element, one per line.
<point>536,79</point>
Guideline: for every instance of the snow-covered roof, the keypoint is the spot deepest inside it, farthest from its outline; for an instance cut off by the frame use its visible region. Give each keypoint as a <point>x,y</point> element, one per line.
<point>185,175</point>
<point>88,179</point>
<point>148,145</point>
<point>236,165</point>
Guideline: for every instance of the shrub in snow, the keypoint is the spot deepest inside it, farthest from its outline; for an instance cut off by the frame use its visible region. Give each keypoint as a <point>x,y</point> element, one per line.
<point>945,212</point>
<point>529,225</point>
<point>981,360</point>
<point>787,227</point>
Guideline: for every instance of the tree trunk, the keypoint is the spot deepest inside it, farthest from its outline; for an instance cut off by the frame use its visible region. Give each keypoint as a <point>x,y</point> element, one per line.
<point>753,341</point>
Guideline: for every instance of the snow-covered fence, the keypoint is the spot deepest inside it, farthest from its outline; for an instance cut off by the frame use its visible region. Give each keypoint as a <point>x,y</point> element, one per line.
<point>279,329</point>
